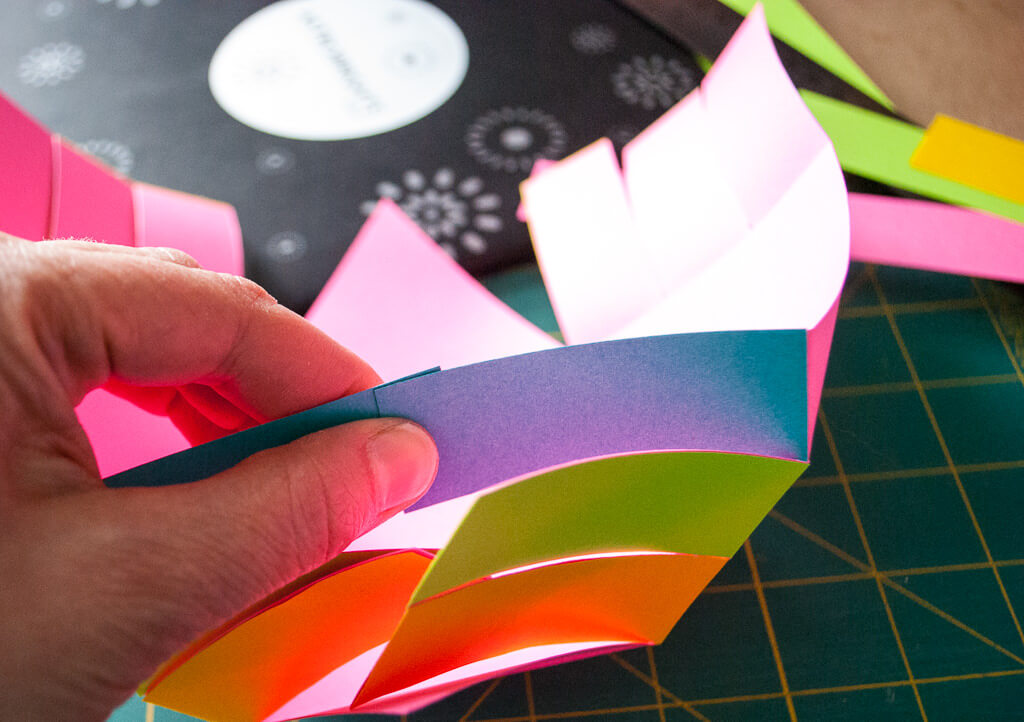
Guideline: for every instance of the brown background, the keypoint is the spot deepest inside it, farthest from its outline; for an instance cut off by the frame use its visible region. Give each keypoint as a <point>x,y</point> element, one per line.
<point>964,58</point>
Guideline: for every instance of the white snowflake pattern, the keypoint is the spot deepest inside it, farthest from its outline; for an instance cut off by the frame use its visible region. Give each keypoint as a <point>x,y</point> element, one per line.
<point>50,64</point>
<point>53,10</point>
<point>593,39</point>
<point>126,4</point>
<point>286,246</point>
<point>653,82</point>
<point>275,161</point>
<point>117,155</point>
<point>513,139</point>
<point>454,213</point>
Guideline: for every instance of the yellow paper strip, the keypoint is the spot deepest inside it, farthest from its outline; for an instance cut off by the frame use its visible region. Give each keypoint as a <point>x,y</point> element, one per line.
<point>974,156</point>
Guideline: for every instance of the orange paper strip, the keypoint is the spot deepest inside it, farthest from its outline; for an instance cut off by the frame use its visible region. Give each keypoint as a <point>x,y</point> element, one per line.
<point>629,598</point>
<point>973,156</point>
<point>263,663</point>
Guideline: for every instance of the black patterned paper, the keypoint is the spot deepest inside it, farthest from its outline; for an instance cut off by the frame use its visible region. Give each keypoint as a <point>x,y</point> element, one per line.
<point>127,79</point>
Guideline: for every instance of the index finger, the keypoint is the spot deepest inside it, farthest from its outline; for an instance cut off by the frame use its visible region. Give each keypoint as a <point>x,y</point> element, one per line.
<point>148,322</point>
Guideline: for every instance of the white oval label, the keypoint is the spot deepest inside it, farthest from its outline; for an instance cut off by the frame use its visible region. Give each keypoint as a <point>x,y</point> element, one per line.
<point>337,69</point>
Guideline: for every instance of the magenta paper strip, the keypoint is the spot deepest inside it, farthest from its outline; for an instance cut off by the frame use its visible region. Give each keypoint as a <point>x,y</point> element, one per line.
<point>92,201</point>
<point>26,177</point>
<point>935,237</point>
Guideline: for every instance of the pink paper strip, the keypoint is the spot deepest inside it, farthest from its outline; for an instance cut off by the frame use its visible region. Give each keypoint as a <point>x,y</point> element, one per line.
<point>205,229</point>
<point>935,237</point>
<point>763,133</point>
<point>585,242</point>
<point>392,327</point>
<point>819,343</point>
<point>26,177</point>
<point>91,201</point>
<point>123,435</point>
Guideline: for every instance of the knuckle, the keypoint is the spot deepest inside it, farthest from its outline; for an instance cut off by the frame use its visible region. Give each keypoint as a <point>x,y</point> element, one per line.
<point>250,292</point>
<point>177,256</point>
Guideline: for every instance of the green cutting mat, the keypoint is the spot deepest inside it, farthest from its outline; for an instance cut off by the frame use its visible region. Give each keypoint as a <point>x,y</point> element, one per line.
<point>887,584</point>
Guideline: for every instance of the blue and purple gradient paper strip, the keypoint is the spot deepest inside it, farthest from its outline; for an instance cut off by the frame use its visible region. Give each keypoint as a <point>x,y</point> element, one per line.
<point>586,492</point>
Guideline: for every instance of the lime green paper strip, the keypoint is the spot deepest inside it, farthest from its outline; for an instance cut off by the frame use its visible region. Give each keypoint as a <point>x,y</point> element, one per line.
<point>693,502</point>
<point>878,147</point>
<point>793,25</point>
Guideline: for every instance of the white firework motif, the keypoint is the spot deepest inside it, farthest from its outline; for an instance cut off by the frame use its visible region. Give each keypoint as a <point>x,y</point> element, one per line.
<point>454,213</point>
<point>286,246</point>
<point>513,139</point>
<point>275,161</point>
<point>126,4</point>
<point>53,10</point>
<point>653,82</point>
<point>117,155</point>
<point>593,39</point>
<point>50,64</point>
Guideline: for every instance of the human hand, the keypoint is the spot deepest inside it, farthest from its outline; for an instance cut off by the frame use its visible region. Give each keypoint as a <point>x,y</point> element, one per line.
<point>99,586</point>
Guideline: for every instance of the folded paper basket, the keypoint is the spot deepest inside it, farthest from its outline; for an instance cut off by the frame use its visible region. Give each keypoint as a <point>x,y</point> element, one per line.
<point>587,492</point>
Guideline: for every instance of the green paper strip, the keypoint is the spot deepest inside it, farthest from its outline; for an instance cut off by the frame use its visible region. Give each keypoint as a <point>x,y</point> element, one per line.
<point>878,147</point>
<point>793,25</point>
<point>692,502</point>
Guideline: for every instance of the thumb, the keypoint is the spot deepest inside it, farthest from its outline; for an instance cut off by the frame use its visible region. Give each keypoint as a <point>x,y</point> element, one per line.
<point>215,547</point>
<point>131,576</point>
<point>285,511</point>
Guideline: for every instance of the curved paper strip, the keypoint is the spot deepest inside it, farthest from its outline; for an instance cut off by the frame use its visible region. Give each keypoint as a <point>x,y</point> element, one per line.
<point>622,253</point>
<point>398,338</point>
<point>205,229</point>
<point>935,237</point>
<point>262,664</point>
<point>819,342</point>
<point>878,147</point>
<point>636,598</point>
<point>738,391</point>
<point>694,503</point>
<point>91,200</point>
<point>27,178</point>
<point>325,697</point>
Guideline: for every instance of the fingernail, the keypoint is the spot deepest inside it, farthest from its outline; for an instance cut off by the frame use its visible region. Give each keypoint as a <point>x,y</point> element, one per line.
<point>404,459</point>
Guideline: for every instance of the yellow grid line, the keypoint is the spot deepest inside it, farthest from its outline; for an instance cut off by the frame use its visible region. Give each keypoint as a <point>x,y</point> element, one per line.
<point>827,545</point>
<point>530,708</point>
<point>657,689</point>
<point>956,304</point>
<point>895,475</point>
<point>768,696</point>
<point>150,712</point>
<point>999,331</point>
<point>769,629</point>
<point>480,700</point>
<point>859,576</point>
<point>922,681</point>
<point>830,440</point>
<point>901,386</point>
<point>945,448</point>
<point>652,681</point>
